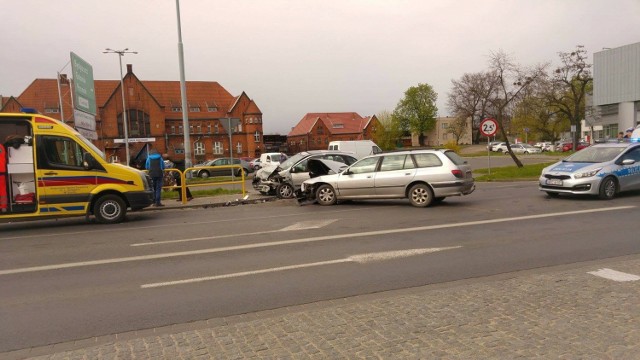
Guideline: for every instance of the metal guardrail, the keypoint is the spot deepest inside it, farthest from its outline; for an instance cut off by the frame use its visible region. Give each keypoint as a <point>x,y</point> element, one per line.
<point>184,177</point>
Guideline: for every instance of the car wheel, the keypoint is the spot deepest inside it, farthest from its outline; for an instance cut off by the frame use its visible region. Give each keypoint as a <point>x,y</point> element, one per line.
<point>242,171</point>
<point>420,195</point>
<point>284,191</point>
<point>552,194</point>
<point>204,174</point>
<point>109,209</point>
<point>325,195</point>
<point>608,188</point>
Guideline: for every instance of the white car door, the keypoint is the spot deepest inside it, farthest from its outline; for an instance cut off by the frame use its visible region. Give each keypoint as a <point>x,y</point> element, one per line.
<point>396,171</point>
<point>358,180</point>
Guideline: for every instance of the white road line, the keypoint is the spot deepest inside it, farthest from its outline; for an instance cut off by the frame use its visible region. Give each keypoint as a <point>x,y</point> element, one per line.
<point>124,228</point>
<point>360,259</point>
<point>614,275</point>
<point>303,225</point>
<point>299,241</point>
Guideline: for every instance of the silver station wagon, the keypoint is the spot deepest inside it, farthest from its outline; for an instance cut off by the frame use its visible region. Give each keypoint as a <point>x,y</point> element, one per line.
<point>602,169</point>
<point>422,176</point>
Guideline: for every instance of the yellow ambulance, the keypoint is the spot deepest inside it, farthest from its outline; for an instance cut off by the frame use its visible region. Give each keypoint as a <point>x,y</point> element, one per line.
<point>47,169</point>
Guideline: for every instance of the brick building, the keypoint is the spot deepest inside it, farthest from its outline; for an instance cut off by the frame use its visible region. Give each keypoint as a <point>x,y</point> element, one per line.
<point>155,115</point>
<point>316,130</point>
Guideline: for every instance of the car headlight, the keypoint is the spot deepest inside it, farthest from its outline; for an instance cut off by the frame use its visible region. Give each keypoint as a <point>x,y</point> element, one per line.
<point>587,174</point>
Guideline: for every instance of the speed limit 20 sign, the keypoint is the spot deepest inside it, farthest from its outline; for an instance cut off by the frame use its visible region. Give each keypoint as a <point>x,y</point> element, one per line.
<point>488,127</point>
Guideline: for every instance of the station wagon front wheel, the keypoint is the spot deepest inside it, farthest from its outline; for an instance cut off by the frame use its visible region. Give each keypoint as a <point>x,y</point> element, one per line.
<point>420,195</point>
<point>325,195</point>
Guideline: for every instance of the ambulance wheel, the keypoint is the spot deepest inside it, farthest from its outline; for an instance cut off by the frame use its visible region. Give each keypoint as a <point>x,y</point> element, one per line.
<point>109,209</point>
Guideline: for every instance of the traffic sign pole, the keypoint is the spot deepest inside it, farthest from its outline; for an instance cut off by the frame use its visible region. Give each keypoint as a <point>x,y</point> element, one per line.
<point>488,128</point>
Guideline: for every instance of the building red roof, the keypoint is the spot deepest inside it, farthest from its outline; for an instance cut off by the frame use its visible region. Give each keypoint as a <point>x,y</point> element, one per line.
<point>337,123</point>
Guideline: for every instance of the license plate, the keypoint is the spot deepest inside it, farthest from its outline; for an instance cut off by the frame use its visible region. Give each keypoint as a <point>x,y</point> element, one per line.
<point>555,182</point>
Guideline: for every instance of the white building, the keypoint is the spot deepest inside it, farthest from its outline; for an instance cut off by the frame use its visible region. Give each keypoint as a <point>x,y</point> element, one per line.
<point>616,92</point>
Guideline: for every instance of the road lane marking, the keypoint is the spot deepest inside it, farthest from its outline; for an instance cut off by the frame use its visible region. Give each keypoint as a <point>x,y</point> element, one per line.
<point>614,275</point>
<point>359,259</point>
<point>127,229</point>
<point>299,241</point>
<point>303,225</point>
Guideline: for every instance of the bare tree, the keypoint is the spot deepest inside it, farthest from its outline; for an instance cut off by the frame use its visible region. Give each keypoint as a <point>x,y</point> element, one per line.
<point>512,80</point>
<point>571,81</point>
<point>459,127</point>
<point>469,97</point>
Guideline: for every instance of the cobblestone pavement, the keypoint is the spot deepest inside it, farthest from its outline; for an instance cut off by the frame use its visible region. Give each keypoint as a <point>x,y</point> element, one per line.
<point>556,313</point>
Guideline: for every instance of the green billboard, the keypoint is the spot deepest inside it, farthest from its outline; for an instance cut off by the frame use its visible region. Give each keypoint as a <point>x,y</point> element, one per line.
<point>84,94</point>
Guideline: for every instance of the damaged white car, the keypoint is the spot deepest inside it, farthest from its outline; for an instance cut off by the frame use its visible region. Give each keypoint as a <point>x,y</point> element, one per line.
<point>423,176</point>
<point>284,179</point>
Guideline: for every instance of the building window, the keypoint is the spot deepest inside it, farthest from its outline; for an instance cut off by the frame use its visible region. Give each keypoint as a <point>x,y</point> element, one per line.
<point>217,148</point>
<point>176,108</point>
<point>179,151</point>
<point>239,148</point>
<point>139,124</point>
<point>180,129</point>
<point>209,128</point>
<point>217,129</point>
<point>198,148</point>
<point>51,110</point>
<point>199,127</point>
<point>173,129</point>
<point>256,136</point>
<point>320,130</point>
<point>212,109</point>
<point>194,108</point>
<point>338,126</point>
<point>445,125</point>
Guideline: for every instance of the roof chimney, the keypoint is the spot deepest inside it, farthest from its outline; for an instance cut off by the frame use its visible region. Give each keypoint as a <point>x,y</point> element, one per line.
<point>129,69</point>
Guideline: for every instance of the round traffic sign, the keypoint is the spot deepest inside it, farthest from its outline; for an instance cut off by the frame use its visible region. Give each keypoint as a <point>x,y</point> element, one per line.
<point>488,127</point>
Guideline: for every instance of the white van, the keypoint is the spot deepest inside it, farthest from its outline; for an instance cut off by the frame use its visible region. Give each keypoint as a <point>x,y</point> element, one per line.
<point>359,148</point>
<point>273,159</point>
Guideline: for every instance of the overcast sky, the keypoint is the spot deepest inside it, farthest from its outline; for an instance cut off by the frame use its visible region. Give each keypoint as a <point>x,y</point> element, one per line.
<point>298,56</point>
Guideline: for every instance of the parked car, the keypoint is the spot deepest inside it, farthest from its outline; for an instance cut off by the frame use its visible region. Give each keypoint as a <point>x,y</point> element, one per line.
<point>255,164</point>
<point>493,144</point>
<point>287,177</point>
<point>544,146</point>
<point>569,146</point>
<point>422,176</point>
<point>207,171</point>
<point>523,149</point>
<point>602,169</point>
<point>496,147</point>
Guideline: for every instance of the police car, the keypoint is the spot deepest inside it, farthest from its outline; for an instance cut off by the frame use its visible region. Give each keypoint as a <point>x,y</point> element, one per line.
<point>603,170</point>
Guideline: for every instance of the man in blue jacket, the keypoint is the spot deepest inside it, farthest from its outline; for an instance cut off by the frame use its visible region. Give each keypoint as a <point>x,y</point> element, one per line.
<point>155,165</point>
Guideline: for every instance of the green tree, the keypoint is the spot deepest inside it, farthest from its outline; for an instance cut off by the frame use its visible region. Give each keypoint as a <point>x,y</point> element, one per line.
<point>459,127</point>
<point>389,131</point>
<point>417,111</point>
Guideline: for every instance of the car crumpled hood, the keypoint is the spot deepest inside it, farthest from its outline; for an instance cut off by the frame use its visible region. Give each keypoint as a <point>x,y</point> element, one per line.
<point>321,167</point>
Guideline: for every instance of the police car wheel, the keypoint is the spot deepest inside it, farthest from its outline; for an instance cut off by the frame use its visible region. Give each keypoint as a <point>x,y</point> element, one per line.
<point>109,209</point>
<point>608,188</point>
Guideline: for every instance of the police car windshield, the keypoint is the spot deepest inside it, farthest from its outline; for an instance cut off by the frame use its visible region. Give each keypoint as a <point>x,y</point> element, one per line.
<point>595,154</point>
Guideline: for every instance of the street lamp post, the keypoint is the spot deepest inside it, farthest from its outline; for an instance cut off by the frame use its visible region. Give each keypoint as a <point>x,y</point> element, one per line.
<point>125,122</point>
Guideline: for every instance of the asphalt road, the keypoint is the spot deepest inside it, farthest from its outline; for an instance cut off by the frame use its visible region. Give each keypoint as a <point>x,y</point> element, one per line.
<point>67,279</point>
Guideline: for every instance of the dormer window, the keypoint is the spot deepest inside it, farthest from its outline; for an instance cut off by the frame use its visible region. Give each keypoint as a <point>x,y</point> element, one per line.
<point>338,126</point>
<point>212,109</point>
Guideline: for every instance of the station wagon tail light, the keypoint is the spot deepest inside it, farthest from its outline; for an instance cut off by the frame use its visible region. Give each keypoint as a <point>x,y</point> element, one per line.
<point>457,173</point>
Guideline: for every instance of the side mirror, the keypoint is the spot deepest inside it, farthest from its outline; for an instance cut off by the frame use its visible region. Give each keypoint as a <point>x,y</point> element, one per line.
<point>628,162</point>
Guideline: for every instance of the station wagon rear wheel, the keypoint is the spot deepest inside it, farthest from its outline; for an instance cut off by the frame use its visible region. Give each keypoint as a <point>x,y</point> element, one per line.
<point>608,188</point>
<point>420,195</point>
<point>109,209</point>
<point>325,195</point>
